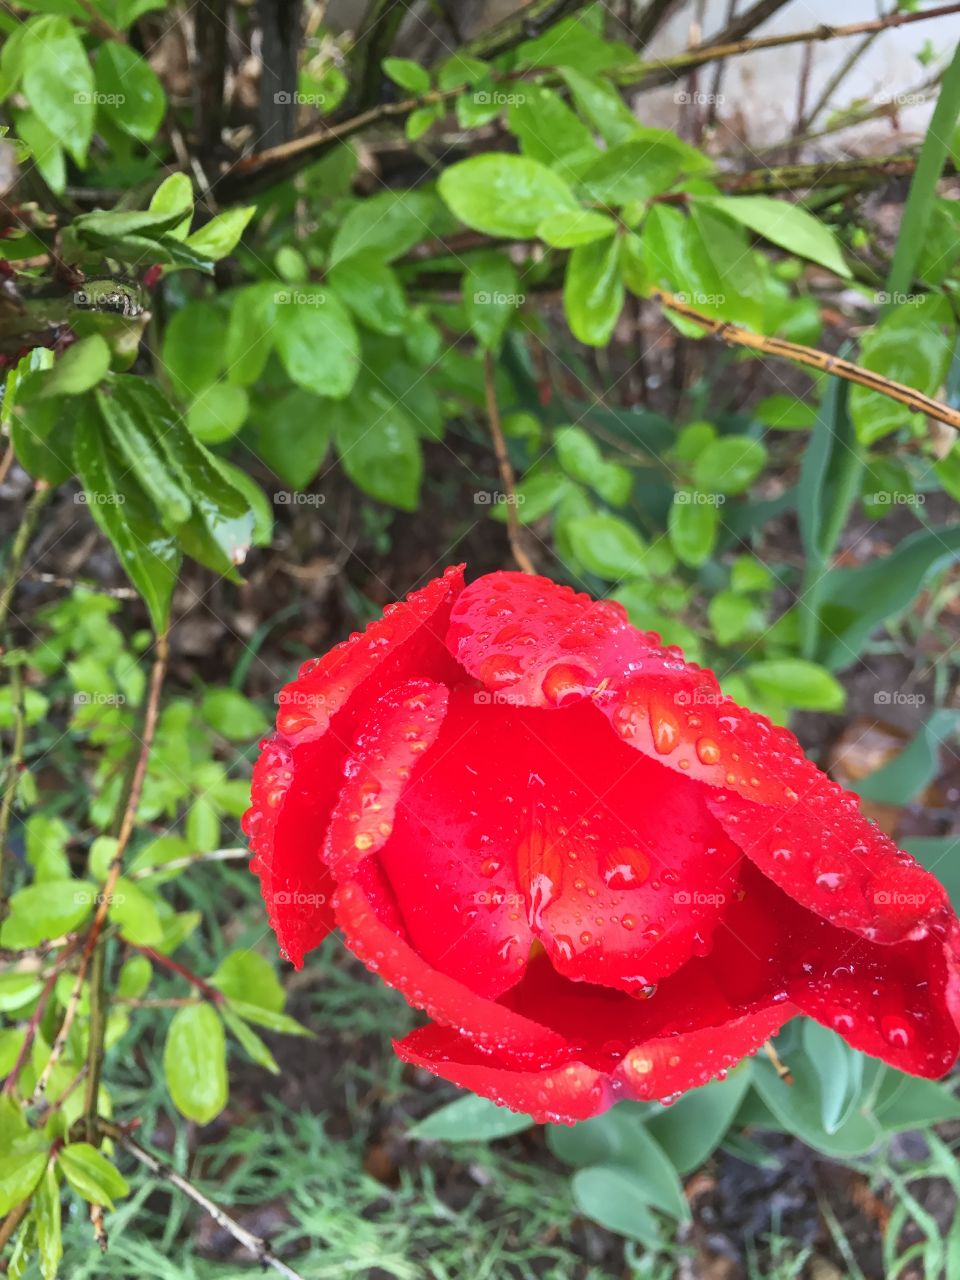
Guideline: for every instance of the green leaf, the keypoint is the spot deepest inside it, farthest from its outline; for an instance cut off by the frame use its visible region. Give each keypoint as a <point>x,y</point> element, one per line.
<point>19,1174</point>
<point>221,235</point>
<point>799,683</point>
<point>175,195</point>
<point>729,464</point>
<point>839,1070</point>
<point>422,119</point>
<point>912,345</point>
<point>853,602</point>
<point>46,1214</point>
<point>692,526</point>
<point>120,508</point>
<point>786,413</point>
<point>580,226</point>
<point>46,910</point>
<point>599,103</point>
<point>732,616</point>
<point>593,291</point>
<point>218,412</point>
<point>135,913</point>
<point>203,826</point>
<point>548,130</point>
<point>58,83</point>
<point>617,1199</point>
<point>250,1042</point>
<point>607,546</point>
<point>784,224</point>
<point>195,1063</point>
<point>249,978</point>
<point>232,715</point>
<point>829,476</point>
<point>268,1018</point>
<point>193,348</point>
<point>91,1174</point>
<point>373,293</point>
<point>692,1128</point>
<point>130,90</point>
<point>134,978</point>
<point>136,443</point>
<point>292,437</point>
<point>490,296</point>
<point>384,226</point>
<point>44,147</point>
<point>504,195</point>
<point>379,447</point>
<point>250,333</point>
<point>80,367</point>
<point>41,429</point>
<point>17,990</point>
<point>407,74</point>
<point>470,1119</point>
<point>317,342</point>
<point>645,166</point>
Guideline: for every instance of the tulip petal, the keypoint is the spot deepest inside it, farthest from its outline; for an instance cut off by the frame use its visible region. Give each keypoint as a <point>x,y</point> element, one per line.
<point>298,776</point>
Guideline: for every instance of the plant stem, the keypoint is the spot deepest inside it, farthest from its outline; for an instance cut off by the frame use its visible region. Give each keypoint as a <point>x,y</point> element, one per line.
<point>39,499</point>
<point>12,777</point>
<point>160,1169</point>
<point>915,400</point>
<point>507,477</point>
<point>923,189</point>
<point>157,957</point>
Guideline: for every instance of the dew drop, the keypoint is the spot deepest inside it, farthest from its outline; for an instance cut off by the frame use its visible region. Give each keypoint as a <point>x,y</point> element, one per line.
<point>707,751</point>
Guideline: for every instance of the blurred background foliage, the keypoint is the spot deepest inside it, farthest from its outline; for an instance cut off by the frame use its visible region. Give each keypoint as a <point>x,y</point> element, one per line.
<point>297,307</point>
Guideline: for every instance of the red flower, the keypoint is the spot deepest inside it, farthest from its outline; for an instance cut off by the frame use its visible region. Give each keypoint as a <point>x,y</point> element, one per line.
<point>599,877</point>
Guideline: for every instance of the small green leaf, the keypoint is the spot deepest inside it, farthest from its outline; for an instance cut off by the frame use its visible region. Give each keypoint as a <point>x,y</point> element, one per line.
<point>221,235</point>
<point>58,83</point>
<point>232,715</point>
<point>580,226</point>
<point>317,342</point>
<point>692,526</point>
<point>250,1042</point>
<point>19,1174</point>
<point>617,1199</point>
<point>218,412</point>
<point>729,464</point>
<point>798,683</point>
<point>80,367</point>
<point>607,546</point>
<point>135,442</point>
<point>784,224</point>
<point>504,194</point>
<point>91,1174</point>
<point>175,195</point>
<point>470,1119</point>
<point>268,1018</point>
<point>130,91</point>
<point>46,1213</point>
<point>593,291</point>
<point>491,296</point>
<point>195,1063</point>
<point>248,977</point>
<point>373,293</point>
<point>407,74</point>
<point>46,910</point>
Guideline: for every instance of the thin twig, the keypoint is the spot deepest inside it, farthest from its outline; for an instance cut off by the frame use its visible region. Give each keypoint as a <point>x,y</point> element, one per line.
<point>193,859</point>
<point>838,77</point>
<point>782,1070</point>
<point>126,821</point>
<point>124,832</point>
<point>12,777</point>
<point>272,163</point>
<point>507,477</point>
<point>167,962</point>
<point>39,499</point>
<point>23,1057</point>
<point>160,1169</point>
<point>914,400</point>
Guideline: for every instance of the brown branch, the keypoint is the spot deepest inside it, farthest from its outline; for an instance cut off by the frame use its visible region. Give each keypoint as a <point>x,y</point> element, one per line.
<point>507,477</point>
<point>525,24</point>
<point>167,962</point>
<point>124,831</point>
<point>914,400</point>
<point>160,1169</point>
<point>264,167</point>
<point>191,860</point>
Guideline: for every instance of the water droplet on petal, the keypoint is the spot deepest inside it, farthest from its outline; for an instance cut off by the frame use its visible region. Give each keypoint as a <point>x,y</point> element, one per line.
<point>707,751</point>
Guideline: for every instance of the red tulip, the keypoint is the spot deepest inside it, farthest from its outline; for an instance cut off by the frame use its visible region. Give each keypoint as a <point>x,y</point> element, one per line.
<point>598,876</point>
